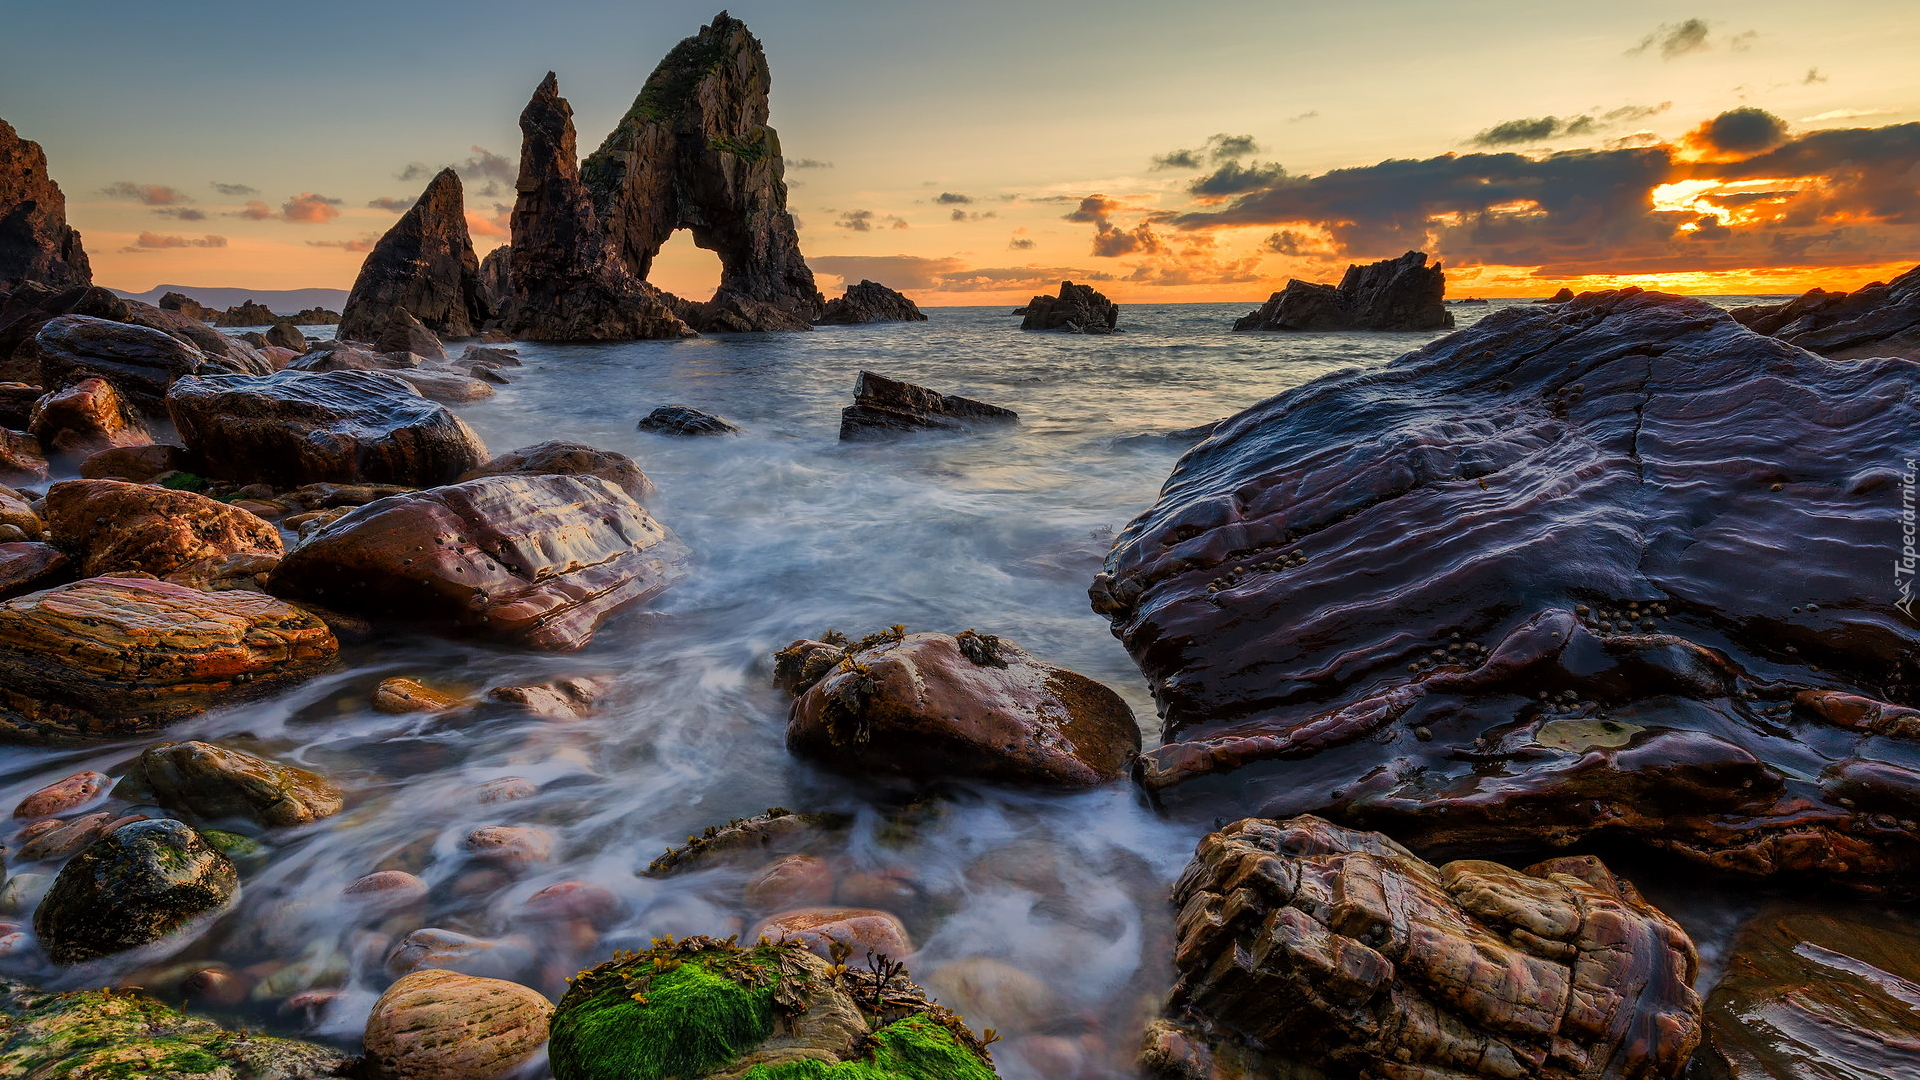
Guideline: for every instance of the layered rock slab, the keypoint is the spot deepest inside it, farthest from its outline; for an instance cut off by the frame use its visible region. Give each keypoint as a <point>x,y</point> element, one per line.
<point>1393,294</point>
<point>1566,573</point>
<point>111,527</point>
<point>425,265</point>
<point>884,407</point>
<point>1881,319</point>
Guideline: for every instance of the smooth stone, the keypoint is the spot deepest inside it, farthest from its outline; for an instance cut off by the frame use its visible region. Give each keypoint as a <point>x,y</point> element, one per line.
<point>398,697</point>
<point>513,848</point>
<point>561,458</point>
<point>440,1025</point>
<point>215,782</point>
<point>864,930</point>
<point>682,420</point>
<point>75,793</point>
<point>797,881</point>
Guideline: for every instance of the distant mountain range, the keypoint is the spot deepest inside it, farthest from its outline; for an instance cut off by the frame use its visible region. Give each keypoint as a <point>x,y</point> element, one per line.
<point>280,301</point>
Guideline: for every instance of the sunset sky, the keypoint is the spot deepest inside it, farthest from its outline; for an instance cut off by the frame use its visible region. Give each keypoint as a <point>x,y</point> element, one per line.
<point>980,152</point>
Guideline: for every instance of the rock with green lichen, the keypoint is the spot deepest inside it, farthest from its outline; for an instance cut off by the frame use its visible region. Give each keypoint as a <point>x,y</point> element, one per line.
<point>217,782</point>
<point>702,1008</point>
<point>102,1035</point>
<point>131,888</point>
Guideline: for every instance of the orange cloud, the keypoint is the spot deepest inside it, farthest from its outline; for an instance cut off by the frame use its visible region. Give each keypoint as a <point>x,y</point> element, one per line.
<point>309,208</point>
<point>363,244</point>
<point>148,241</point>
<point>150,194</point>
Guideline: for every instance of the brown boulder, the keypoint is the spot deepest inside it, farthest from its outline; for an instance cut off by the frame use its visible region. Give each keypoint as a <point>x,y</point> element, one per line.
<point>36,244</point>
<point>438,1025</point>
<point>445,386</point>
<point>112,526</point>
<point>560,458</point>
<point>931,706</point>
<point>218,573</point>
<point>140,464</point>
<point>402,333</point>
<point>28,566</point>
<point>285,335</point>
<point>869,302</point>
<point>18,519</point>
<point>542,560</point>
<point>116,657</point>
<point>350,356</point>
<point>797,881</point>
<point>141,363</point>
<point>21,461</point>
<point>216,782</point>
<point>819,929</point>
<point>76,792</point>
<point>84,419</point>
<point>424,264</point>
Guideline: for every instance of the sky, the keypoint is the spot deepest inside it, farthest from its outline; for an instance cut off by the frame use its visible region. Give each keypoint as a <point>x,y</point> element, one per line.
<point>980,152</point>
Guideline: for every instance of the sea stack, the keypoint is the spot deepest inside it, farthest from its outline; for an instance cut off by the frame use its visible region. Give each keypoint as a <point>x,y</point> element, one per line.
<point>1392,294</point>
<point>36,243</point>
<point>424,264</point>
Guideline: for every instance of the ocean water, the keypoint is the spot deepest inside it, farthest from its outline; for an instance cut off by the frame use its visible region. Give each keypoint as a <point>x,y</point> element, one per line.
<point>1058,900</point>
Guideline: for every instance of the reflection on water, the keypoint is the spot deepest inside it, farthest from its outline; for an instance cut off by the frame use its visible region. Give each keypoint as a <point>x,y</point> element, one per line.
<point>1048,912</point>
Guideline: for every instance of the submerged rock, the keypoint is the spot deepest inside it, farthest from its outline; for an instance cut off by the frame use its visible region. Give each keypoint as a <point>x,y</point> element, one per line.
<point>108,1034</point>
<point>1344,948</point>
<point>213,782</point>
<point>883,406</point>
<point>36,243</point>
<point>424,264</point>
<point>1078,309</point>
<point>869,302</point>
<point>745,840</point>
<point>541,560</point>
<point>1881,319</point>
<point>681,420</point>
<point>931,706</point>
<point>139,362</point>
<point>112,527</point>
<point>1393,294</point>
<point>445,386</point>
<point>76,792</point>
<point>398,697</point>
<point>561,458</point>
<point>1561,574</point>
<point>131,888</point>
<point>439,1025</point>
<point>820,928</point>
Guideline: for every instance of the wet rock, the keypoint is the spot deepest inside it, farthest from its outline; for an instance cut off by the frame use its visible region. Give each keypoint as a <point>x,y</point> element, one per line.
<point>398,697</point>
<point>514,848</point>
<point>1393,294</point>
<point>931,706</point>
<point>561,458</point>
<point>287,336</point>
<point>996,994</point>
<point>219,573</point>
<point>894,890</point>
<point>507,789</point>
<point>76,792</point>
<point>140,363</point>
<point>114,657</point>
<point>424,264</point>
<point>818,929</point>
<point>1346,949</point>
<point>110,527</point>
<point>444,950</point>
<point>806,661</point>
<point>681,420</point>
<point>296,427</point>
<point>36,243</point>
<point>1565,294</point>
<point>221,351</point>
<point>131,888</point>
<point>21,461</point>
<point>447,386</point>
<point>351,356</point>
<point>386,891</point>
<point>139,464</point>
<point>1814,995</point>
<point>56,839</point>
<point>1078,309</point>
<point>17,514</point>
<point>1587,556</point>
<point>103,1034</point>
<point>84,419</point>
<point>569,698</point>
<point>797,881</point>
<point>541,560</point>
<point>747,840</point>
<point>1881,319</point>
<point>213,782</point>
<point>16,403</point>
<point>869,302</point>
<point>438,1025</point>
<point>29,566</point>
<point>402,333</point>
<point>882,407</point>
<point>481,354</point>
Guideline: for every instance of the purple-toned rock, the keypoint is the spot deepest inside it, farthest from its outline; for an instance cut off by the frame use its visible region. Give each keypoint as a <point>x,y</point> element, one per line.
<point>141,363</point>
<point>1881,319</point>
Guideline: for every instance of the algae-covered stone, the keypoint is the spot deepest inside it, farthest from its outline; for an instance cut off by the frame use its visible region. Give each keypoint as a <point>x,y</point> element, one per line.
<point>702,1008</point>
<point>216,782</point>
<point>130,888</point>
<point>102,1035</point>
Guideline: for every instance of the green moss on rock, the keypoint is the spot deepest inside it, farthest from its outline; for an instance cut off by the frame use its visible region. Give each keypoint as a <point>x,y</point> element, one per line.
<point>103,1035</point>
<point>917,1048</point>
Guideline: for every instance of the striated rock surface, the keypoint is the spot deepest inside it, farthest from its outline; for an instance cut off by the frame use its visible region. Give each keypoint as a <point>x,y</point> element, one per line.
<point>85,419</point>
<point>869,302</point>
<point>112,527</point>
<point>562,458</point>
<point>1881,319</point>
<point>1346,949</point>
<point>694,151</point>
<point>113,657</point>
<point>438,1025</point>
<point>130,888</point>
<point>540,560</point>
<point>140,362</point>
<point>683,420</point>
<point>1078,309</point>
<point>214,782</point>
<point>298,427</point>
<point>27,566</point>
<point>931,706</point>
<point>36,243</point>
<point>883,407</point>
<point>109,1034</point>
<point>425,264</point>
<point>1613,567</point>
<point>1393,294</point>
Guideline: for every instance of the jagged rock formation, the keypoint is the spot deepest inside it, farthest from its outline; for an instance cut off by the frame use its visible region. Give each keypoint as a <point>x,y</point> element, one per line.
<point>695,152</point>
<point>869,302</point>
<point>563,278</point>
<point>1079,309</point>
<point>1346,949</point>
<point>1614,567</point>
<point>883,407</point>
<point>188,306</point>
<point>496,281</point>
<point>36,243</point>
<point>1881,319</point>
<point>425,264</point>
<point>1393,294</point>
<point>250,313</point>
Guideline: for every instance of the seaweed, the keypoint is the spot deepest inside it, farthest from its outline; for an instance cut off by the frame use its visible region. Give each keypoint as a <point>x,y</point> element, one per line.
<point>982,649</point>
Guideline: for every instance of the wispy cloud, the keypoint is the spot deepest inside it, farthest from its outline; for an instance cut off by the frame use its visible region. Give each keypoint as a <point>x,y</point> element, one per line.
<point>233,190</point>
<point>149,194</point>
<point>1674,40</point>
<point>148,241</point>
<point>363,244</point>
<point>808,163</point>
<point>1218,148</point>
<point>397,206</point>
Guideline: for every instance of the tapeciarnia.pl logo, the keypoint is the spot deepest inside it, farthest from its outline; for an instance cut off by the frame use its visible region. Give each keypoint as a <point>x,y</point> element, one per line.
<point>1903,567</point>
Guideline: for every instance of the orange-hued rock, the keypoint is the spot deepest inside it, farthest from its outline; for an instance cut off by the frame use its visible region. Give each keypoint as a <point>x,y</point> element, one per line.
<point>439,1025</point>
<point>560,458</point>
<point>113,526</point>
<point>25,567</point>
<point>112,657</point>
<point>136,463</point>
<point>929,706</point>
<point>21,461</point>
<point>218,573</point>
<point>18,514</point>
<point>861,929</point>
<point>64,796</point>
<point>397,697</point>
<point>84,419</point>
<point>537,560</point>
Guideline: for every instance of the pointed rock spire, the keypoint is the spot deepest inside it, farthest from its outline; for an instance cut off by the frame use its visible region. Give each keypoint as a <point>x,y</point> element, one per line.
<point>425,264</point>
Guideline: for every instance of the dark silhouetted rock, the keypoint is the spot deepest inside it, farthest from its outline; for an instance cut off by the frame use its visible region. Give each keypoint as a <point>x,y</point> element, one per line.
<point>869,302</point>
<point>682,420</point>
<point>113,527</point>
<point>1564,573</point>
<point>402,333</point>
<point>425,264</point>
<point>132,887</point>
<point>1347,950</point>
<point>1078,309</point>
<point>140,363</point>
<point>496,275</point>
<point>883,407</point>
<point>16,404</point>
<point>188,306</point>
<point>84,419</point>
<point>287,336</point>
<point>1393,294</point>
<point>36,244</point>
<point>251,313</point>
<point>539,560</point>
<point>561,458</point>
<point>301,427</point>
<point>1877,320</point>
<point>315,316</point>
<point>694,151</point>
<point>1565,294</point>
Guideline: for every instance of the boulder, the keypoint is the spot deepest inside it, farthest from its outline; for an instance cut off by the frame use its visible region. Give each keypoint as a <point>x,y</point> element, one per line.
<point>438,1025</point>
<point>297,427</point>
<point>1393,294</point>
<point>560,458</point>
<point>213,782</point>
<point>1562,574</point>
<point>188,306</point>
<point>315,316</point>
<point>218,573</point>
<point>112,527</point>
<point>682,420</point>
<point>1881,319</point>
<point>425,264</point>
<point>28,566</point>
<point>567,698</point>
<point>102,1034</point>
<point>883,407</point>
<point>932,706</point>
<point>250,313</point>
<point>350,356</point>
<point>445,386</point>
<point>539,560</point>
<point>130,888</point>
<point>402,333</point>
<point>19,516</point>
<point>869,302</point>
<point>1565,294</point>
<point>117,657</point>
<point>140,464</point>
<point>36,243</point>
<point>1078,309</point>
<point>84,419</point>
<point>220,349</point>
<point>489,356</point>
<point>797,881</point>
<point>21,460</point>
<point>140,363</point>
<point>287,336</point>
<point>76,792</point>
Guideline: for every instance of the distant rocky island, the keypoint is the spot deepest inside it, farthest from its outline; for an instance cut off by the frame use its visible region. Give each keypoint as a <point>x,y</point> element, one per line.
<point>1393,294</point>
